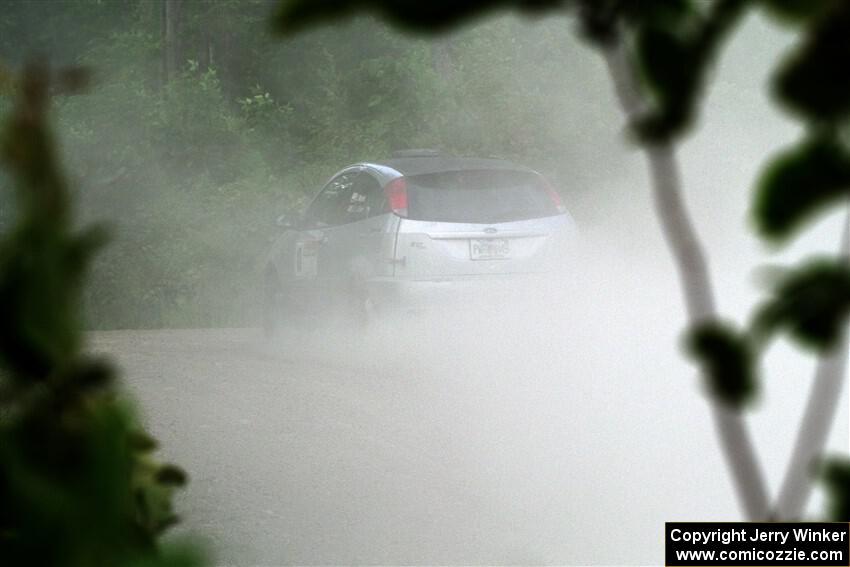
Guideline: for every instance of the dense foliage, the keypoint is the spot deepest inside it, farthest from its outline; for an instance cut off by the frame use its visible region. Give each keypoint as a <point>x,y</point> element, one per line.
<point>78,484</point>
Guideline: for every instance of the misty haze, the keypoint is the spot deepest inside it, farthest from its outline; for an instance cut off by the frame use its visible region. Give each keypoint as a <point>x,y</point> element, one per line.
<point>540,410</point>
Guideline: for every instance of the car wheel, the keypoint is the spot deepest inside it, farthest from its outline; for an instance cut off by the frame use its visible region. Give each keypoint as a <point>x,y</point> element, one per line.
<point>271,303</point>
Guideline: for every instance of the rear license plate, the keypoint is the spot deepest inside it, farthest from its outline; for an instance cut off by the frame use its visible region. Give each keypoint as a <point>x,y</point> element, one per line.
<point>489,249</point>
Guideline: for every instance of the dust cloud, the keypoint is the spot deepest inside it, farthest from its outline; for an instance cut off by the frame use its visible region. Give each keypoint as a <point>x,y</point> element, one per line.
<point>557,423</point>
<point>566,410</point>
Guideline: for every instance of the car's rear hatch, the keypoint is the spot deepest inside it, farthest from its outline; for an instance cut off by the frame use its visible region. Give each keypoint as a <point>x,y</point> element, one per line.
<point>466,223</point>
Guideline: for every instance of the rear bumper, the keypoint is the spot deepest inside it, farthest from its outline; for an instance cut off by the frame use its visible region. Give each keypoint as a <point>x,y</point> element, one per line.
<point>457,292</point>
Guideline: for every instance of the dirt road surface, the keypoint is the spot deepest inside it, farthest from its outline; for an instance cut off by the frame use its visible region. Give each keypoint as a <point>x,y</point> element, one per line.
<point>344,452</point>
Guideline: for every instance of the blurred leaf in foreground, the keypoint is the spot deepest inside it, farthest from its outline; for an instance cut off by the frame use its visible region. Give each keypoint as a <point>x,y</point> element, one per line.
<point>425,17</point>
<point>836,480</point>
<point>727,361</point>
<point>814,80</point>
<point>77,484</point>
<point>796,11</point>
<point>676,49</point>
<point>799,183</point>
<point>811,303</point>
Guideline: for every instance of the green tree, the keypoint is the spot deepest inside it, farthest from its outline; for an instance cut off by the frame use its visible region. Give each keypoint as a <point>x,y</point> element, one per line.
<point>246,127</point>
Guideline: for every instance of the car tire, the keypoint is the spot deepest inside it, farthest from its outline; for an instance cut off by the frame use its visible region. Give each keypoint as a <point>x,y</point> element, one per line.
<point>271,303</point>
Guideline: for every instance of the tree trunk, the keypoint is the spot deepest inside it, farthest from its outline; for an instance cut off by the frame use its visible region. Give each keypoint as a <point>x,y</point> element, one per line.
<point>163,26</point>
<point>209,51</point>
<point>171,10</point>
<point>204,52</point>
<point>817,419</point>
<point>692,269</point>
<point>226,66</point>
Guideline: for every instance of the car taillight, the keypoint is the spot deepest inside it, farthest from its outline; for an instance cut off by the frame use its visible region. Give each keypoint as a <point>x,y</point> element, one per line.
<point>554,195</point>
<point>396,192</point>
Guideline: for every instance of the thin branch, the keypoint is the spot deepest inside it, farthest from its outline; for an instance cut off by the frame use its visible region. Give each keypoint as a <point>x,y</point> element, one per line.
<point>817,419</point>
<point>692,268</point>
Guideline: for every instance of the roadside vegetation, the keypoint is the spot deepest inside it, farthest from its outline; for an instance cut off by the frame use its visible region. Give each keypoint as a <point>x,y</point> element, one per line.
<point>79,485</point>
<point>201,127</point>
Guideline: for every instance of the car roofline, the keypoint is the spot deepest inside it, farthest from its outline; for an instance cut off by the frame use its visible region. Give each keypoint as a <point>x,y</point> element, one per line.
<point>389,169</point>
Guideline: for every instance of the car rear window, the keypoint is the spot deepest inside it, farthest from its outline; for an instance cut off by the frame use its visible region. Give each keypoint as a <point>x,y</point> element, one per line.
<point>478,196</point>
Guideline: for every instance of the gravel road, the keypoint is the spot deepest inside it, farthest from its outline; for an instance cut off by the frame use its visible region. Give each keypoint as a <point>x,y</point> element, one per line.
<point>439,448</point>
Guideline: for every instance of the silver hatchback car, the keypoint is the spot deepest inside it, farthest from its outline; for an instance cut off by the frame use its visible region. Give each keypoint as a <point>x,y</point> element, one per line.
<point>408,231</point>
